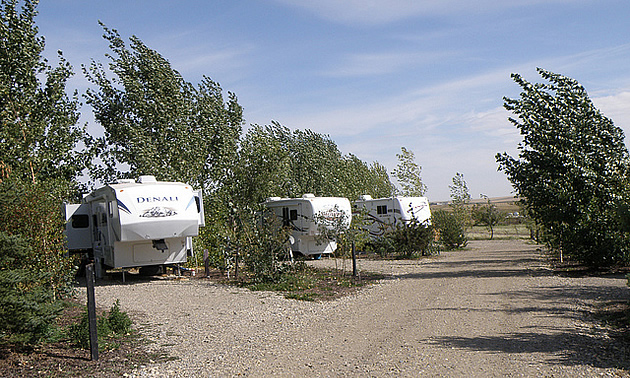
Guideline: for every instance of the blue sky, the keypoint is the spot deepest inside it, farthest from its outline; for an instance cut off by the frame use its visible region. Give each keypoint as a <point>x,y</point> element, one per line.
<point>375,75</point>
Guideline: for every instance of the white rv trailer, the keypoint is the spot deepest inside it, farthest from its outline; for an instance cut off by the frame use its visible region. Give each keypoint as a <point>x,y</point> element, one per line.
<point>302,216</point>
<point>147,223</point>
<point>384,213</point>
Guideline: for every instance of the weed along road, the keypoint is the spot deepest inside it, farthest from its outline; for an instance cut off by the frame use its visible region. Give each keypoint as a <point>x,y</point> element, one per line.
<point>494,309</point>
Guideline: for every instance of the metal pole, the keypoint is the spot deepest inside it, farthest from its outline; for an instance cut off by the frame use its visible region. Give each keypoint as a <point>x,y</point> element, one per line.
<point>91,305</point>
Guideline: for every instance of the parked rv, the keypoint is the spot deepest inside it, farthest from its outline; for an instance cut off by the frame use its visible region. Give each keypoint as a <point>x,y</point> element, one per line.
<point>305,215</point>
<point>144,223</point>
<point>382,214</point>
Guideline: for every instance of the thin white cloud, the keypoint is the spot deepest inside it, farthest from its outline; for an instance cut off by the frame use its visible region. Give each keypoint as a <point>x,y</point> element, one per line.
<point>384,63</point>
<point>369,12</point>
<point>616,108</point>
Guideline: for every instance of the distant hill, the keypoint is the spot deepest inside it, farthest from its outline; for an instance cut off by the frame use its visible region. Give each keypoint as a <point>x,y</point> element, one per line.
<point>508,203</point>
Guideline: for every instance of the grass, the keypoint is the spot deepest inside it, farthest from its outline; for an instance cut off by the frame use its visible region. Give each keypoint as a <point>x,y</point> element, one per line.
<point>314,284</point>
<point>501,232</point>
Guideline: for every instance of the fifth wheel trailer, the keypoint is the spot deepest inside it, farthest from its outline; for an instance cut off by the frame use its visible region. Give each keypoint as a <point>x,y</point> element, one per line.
<point>384,213</point>
<point>143,223</point>
<point>306,215</point>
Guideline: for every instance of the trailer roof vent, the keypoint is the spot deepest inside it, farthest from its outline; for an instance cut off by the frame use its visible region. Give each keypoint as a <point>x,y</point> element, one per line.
<point>126,181</point>
<point>308,195</point>
<point>365,197</point>
<point>271,199</point>
<point>146,179</point>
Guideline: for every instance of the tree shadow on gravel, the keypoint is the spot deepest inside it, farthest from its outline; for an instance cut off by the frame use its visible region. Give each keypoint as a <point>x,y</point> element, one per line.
<point>479,273</point>
<point>566,348</point>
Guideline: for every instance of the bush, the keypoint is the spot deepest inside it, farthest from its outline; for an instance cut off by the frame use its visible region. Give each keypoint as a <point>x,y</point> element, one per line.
<point>412,238</point>
<point>450,230</point>
<point>267,249</point>
<point>406,240</point>
<point>109,327</point>
<point>27,302</point>
<point>32,212</point>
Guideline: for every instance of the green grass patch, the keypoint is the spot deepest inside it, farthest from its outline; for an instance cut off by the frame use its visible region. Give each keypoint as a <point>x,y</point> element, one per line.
<point>313,284</point>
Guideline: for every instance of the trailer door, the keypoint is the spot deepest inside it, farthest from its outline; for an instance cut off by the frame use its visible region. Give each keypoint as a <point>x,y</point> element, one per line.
<point>78,227</point>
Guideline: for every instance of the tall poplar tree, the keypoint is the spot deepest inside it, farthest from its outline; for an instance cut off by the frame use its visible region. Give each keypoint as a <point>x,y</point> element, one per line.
<point>38,120</point>
<point>156,123</point>
<point>572,168</point>
<point>408,174</point>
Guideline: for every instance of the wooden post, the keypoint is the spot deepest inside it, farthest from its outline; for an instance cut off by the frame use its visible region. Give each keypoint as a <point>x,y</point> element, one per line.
<point>206,262</point>
<point>236,264</point>
<point>91,305</point>
<point>354,260</point>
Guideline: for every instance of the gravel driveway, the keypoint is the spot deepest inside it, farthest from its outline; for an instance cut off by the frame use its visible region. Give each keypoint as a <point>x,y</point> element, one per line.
<point>494,309</point>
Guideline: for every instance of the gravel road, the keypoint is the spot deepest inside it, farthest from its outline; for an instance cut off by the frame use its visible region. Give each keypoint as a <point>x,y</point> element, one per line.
<point>492,310</point>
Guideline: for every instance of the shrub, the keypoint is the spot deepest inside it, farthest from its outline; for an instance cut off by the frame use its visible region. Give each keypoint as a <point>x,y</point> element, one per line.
<point>266,248</point>
<point>411,238</point>
<point>406,240</point>
<point>109,327</point>
<point>450,230</point>
<point>27,303</point>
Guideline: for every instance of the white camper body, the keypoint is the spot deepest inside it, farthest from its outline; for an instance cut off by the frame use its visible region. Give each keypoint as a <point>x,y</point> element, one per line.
<point>301,215</point>
<point>384,213</point>
<point>135,224</point>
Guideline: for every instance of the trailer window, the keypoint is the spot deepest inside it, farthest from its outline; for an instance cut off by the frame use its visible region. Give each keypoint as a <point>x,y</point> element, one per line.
<point>80,221</point>
<point>294,215</point>
<point>382,209</point>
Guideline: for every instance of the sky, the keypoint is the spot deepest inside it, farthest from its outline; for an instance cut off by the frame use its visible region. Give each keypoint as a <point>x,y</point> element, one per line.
<point>373,75</point>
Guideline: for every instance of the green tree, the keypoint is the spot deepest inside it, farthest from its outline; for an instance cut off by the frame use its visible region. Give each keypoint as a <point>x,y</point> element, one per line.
<point>460,201</point>
<point>408,174</point>
<point>40,161</point>
<point>488,215</point>
<point>39,136</point>
<point>275,161</point>
<point>157,123</point>
<point>263,168</point>
<point>571,170</point>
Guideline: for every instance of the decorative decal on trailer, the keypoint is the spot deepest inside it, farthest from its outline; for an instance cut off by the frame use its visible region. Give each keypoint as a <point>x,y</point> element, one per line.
<point>123,207</point>
<point>159,212</point>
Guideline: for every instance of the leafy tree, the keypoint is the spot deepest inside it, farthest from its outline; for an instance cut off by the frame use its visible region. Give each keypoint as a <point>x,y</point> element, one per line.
<point>39,166</point>
<point>488,215</point>
<point>571,170</point>
<point>408,174</point>
<point>275,161</point>
<point>157,123</point>
<point>263,169</point>
<point>38,121</point>
<point>460,201</point>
